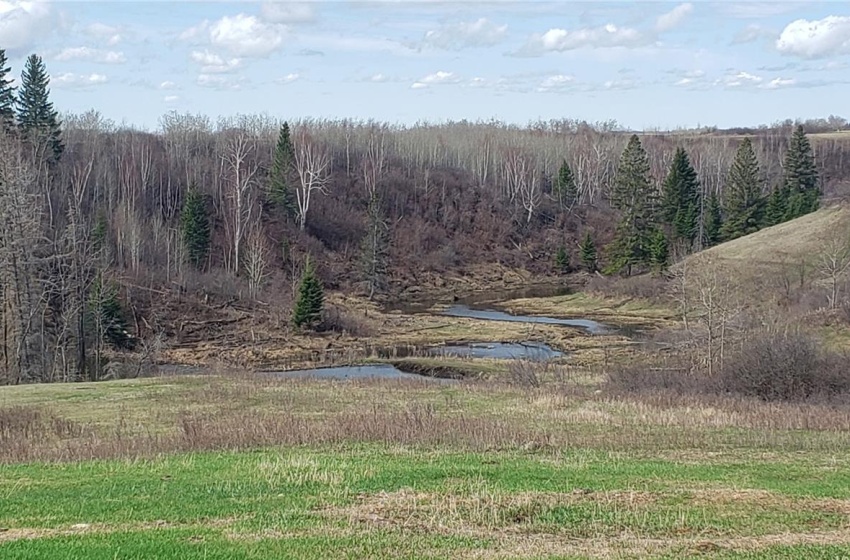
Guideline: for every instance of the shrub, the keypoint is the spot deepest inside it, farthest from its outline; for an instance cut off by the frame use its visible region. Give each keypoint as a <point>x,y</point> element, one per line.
<point>784,365</point>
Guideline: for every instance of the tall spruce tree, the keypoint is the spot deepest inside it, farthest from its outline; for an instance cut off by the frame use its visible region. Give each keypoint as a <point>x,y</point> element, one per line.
<point>7,96</point>
<point>680,204</point>
<point>587,252</point>
<point>280,187</point>
<point>712,221</point>
<point>37,118</point>
<point>565,186</point>
<point>744,204</point>
<point>195,227</point>
<point>800,176</point>
<point>635,197</point>
<point>311,300</point>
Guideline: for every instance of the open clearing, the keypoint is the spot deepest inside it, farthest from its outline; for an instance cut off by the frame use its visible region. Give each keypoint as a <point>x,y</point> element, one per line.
<point>250,467</point>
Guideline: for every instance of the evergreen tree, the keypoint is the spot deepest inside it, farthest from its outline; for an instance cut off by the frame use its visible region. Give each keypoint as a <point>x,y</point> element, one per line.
<point>37,118</point>
<point>562,260</point>
<point>565,186</point>
<point>658,251</point>
<point>106,316</point>
<point>375,248</point>
<point>587,250</point>
<point>195,227</point>
<point>280,189</point>
<point>744,205</point>
<point>634,196</point>
<point>680,206</point>
<point>311,300</point>
<point>7,96</point>
<point>776,210</point>
<point>801,176</point>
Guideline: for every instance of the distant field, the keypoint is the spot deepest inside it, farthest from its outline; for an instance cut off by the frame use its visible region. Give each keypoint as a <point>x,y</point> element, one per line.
<point>837,135</point>
<point>238,467</point>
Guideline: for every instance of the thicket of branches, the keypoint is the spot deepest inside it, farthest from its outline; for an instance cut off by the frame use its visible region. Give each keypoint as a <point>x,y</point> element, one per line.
<point>86,203</point>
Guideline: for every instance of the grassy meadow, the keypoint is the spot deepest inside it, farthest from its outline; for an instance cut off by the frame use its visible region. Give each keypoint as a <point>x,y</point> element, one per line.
<point>240,466</point>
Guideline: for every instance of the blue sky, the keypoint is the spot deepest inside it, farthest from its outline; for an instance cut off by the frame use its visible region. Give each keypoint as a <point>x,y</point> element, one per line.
<point>645,64</point>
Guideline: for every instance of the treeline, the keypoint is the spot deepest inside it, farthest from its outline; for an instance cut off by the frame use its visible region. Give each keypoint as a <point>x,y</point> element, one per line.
<point>652,219</point>
<point>101,224</point>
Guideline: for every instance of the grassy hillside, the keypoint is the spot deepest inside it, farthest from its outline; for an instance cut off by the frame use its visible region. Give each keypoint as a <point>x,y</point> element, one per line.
<point>771,263</point>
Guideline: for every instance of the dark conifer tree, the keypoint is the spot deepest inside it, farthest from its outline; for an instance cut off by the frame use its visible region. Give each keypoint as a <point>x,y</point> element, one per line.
<point>7,96</point>
<point>744,204</point>
<point>565,186</point>
<point>195,227</point>
<point>587,250</point>
<point>311,300</point>
<point>680,205</point>
<point>562,260</point>
<point>801,176</point>
<point>659,252</point>
<point>635,197</point>
<point>37,119</point>
<point>280,188</point>
<point>776,210</point>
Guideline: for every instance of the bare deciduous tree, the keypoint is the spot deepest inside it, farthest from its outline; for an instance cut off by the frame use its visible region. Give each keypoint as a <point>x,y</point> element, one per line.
<point>257,258</point>
<point>834,261</point>
<point>312,164</point>
<point>240,166</point>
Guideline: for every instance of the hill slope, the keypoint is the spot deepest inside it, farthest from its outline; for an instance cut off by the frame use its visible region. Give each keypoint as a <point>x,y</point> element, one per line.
<point>770,263</point>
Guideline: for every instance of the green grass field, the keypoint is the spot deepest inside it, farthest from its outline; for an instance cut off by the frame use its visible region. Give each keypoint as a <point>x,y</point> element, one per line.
<point>238,467</point>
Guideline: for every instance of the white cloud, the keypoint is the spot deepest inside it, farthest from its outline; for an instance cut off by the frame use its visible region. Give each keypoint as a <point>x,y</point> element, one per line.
<point>171,98</point>
<point>456,36</point>
<point>167,84</point>
<point>91,55</point>
<point>607,36</point>
<point>684,82</point>
<point>79,81</point>
<point>777,83</point>
<point>217,82</point>
<point>106,33</point>
<point>437,78</point>
<point>212,63</point>
<point>289,78</point>
<point>739,79</point>
<point>287,12</point>
<point>829,36</point>
<point>378,78</point>
<point>620,84</point>
<point>242,35</point>
<point>246,35</point>
<point>556,82</point>
<point>22,23</point>
<point>673,18</point>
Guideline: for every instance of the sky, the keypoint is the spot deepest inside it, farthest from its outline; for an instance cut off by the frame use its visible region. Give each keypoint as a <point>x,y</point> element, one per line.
<point>646,65</point>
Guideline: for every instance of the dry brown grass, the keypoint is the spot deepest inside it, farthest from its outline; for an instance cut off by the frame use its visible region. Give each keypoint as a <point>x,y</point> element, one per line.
<point>553,413</point>
<point>512,520</point>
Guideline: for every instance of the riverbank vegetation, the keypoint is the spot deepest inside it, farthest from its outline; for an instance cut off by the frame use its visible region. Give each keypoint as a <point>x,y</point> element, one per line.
<point>201,227</point>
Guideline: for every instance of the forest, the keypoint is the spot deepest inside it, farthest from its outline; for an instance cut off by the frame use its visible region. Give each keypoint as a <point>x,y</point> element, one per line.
<point>105,227</point>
